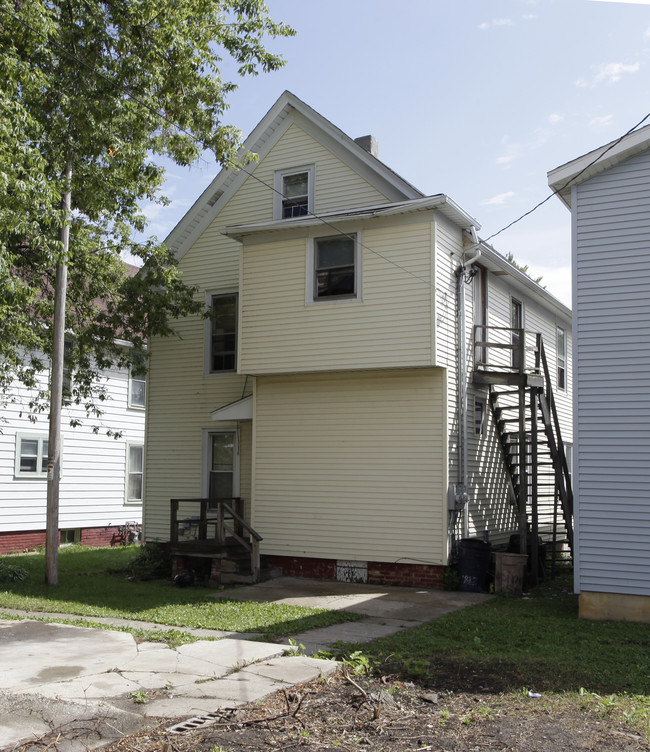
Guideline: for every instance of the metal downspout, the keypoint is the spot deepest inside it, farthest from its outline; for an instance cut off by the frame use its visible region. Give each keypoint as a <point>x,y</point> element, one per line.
<point>461,496</point>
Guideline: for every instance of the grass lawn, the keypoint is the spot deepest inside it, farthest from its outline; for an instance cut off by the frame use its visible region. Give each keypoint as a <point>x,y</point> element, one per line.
<point>536,642</point>
<point>87,588</point>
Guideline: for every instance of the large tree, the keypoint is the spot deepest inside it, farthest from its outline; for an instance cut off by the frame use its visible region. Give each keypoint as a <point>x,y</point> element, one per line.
<point>93,92</point>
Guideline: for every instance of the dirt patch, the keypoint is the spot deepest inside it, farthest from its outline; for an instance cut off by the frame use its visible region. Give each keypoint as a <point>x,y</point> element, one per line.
<point>389,715</point>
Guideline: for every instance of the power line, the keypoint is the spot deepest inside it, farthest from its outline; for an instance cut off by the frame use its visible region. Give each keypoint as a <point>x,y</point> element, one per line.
<point>227,160</point>
<point>571,180</point>
<point>234,165</point>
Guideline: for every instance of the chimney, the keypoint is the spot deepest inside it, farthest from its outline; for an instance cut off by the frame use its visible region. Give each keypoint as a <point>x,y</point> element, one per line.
<point>369,143</point>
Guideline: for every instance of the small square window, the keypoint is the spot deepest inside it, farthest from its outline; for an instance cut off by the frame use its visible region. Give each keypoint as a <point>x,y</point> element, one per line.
<point>31,456</point>
<point>335,267</point>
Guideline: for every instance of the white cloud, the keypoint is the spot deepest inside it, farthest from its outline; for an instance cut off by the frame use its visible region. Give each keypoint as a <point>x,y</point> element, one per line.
<point>609,73</point>
<point>647,33</point>
<point>498,200</point>
<point>554,118</point>
<point>529,17</point>
<point>602,121</point>
<point>495,22</point>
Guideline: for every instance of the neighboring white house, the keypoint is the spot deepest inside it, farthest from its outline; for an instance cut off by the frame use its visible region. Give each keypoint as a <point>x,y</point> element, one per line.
<point>101,485</point>
<point>608,193</point>
<point>328,389</point>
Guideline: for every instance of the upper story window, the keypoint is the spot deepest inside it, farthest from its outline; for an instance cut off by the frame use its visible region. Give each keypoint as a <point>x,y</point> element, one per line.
<point>294,192</point>
<point>137,390</point>
<point>31,456</point>
<point>335,267</point>
<point>561,358</point>
<point>223,333</point>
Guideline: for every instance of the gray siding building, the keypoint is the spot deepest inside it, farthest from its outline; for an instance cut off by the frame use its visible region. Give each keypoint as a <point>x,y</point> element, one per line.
<point>608,193</point>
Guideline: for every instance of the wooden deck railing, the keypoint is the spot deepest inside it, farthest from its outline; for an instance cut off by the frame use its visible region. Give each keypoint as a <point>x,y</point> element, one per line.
<point>206,533</point>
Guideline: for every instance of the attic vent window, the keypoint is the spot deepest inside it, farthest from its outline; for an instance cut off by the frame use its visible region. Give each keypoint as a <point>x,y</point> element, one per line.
<point>294,193</point>
<point>216,196</point>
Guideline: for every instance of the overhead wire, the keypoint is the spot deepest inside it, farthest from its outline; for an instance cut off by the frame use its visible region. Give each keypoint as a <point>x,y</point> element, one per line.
<point>233,165</point>
<point>571,180</point>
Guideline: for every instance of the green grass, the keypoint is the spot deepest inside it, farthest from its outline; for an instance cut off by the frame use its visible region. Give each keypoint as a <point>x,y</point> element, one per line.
<point>537,642</point>
<point>87,588</point>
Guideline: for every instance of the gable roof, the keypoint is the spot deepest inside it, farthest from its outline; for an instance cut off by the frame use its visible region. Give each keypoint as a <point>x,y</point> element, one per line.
<point>562,178</point>
<point>286,110</point>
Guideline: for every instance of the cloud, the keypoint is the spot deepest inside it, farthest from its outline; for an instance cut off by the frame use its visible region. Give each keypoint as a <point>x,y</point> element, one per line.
<point>554,118</point>
<point>495,22</point>
<point>498,200</point>
<point>529,17</point>
<point>602,121</point>
<point>609,73</point>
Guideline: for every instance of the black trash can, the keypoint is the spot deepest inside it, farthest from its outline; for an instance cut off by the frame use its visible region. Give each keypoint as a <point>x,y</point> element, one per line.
<point>473,564</point>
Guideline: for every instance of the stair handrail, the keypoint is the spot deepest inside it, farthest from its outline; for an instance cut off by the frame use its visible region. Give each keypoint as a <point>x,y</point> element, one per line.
<point>222,505</point>
<point>565,488</point>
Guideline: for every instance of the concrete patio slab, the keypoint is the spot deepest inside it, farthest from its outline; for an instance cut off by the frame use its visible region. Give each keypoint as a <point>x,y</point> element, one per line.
<point>81,678</point>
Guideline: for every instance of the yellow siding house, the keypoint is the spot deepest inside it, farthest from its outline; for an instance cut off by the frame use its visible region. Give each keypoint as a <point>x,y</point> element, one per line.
<point>327,386</point>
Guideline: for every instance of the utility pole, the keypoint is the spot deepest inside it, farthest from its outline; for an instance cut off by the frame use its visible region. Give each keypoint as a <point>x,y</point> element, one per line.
<point>56,393</point>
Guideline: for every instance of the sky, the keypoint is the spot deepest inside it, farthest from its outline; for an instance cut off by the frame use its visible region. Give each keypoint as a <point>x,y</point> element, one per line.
<point>476,99</point>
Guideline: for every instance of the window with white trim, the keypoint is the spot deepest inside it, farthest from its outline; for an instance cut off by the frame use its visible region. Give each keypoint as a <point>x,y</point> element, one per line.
<point>222,465</point>
<point>134,473</point>
<point>31,455</point>
<point>137,390</point>
<point>561,359</point>
<point>294,192</point>
<point>223,333</point>
<point>334,268</point>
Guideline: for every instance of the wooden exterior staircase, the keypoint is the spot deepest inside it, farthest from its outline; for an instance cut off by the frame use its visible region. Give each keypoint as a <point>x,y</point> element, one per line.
<point>214,529</point>
<point>525,415</point>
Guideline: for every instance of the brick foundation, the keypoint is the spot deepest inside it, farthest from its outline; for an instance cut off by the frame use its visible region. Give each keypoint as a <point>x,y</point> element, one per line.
<point>379,573</point>
<point>26,540</point>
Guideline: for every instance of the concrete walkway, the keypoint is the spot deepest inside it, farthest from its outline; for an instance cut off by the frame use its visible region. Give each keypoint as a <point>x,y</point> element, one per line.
<point>96,685</point>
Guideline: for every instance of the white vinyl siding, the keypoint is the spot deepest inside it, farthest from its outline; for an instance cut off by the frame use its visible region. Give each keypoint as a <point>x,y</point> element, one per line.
<point>352,466</point>
<point>93,478</point>
<point>612,310</point>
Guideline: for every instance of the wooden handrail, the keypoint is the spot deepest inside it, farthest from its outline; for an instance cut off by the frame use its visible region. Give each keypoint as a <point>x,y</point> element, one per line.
<point>222,507</point>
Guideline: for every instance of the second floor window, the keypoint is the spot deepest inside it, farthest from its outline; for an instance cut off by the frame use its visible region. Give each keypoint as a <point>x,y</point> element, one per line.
<point>223,340</point>
<point>335,267</point>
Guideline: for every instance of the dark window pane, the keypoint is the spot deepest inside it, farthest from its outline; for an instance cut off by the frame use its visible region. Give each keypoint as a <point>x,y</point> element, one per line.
<point>28,465</point>
<point>295,185</point>
<point>224,332</point>
<point>332,282</point>
<point>220,485</point>
<point>335,252</point>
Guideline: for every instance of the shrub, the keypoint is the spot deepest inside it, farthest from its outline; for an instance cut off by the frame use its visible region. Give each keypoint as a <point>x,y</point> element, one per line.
<point>151,563</point>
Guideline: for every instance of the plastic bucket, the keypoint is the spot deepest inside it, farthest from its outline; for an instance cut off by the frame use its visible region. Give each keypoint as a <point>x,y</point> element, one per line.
<point>509,573</point>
